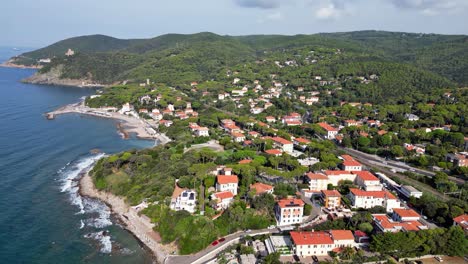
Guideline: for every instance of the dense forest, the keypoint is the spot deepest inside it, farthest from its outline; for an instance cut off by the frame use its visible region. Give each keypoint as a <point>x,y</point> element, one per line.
<point>405,61</point>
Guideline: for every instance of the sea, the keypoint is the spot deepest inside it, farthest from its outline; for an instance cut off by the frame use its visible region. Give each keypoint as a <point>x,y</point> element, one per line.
<point>43,219</point>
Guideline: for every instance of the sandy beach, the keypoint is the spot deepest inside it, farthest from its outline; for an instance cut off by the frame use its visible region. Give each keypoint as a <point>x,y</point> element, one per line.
<point>143,129</point>
<point>140,226</point>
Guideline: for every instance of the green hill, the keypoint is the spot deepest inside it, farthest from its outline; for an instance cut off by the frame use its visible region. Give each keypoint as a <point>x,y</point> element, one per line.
<point>431,61</point>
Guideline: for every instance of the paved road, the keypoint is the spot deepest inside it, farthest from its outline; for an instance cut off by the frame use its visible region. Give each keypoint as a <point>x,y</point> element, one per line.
<point>395,164</point>
<point>211,251</point>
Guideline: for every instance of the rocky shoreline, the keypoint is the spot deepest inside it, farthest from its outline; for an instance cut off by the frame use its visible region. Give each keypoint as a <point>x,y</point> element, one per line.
<point>11,64</point>
<point>139,225</point>
<point>53,77</point>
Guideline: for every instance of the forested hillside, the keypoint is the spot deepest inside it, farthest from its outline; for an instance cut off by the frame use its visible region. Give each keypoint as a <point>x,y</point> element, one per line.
<point>404,61</point>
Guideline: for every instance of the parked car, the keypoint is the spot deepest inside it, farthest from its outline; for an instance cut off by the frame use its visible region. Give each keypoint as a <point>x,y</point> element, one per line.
<point>315,259</point>
<point>439,259</point>
<point>221,239</point>
<point>296,258</point>
<point>214,243</point>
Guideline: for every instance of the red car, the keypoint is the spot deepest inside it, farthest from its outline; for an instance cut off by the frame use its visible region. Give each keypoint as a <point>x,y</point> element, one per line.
<point>215,243</point>
<point>221,239</point>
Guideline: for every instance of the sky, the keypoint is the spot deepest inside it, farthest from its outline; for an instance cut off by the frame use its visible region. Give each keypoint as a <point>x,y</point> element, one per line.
<point>37,23</point>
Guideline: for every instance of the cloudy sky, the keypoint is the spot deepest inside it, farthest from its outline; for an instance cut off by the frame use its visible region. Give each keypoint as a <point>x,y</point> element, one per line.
<point>36,23</point>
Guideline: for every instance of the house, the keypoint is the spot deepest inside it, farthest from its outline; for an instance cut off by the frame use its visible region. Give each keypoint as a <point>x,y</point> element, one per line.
<point>238,137</point>
<point>274,152</point>
<point>227,182</point>
<point>331,198</point>
<point>408,191</point>
<point>458,159</point>
<point>293,119</point>
<point>222,199</point>
<point>166,123</point>
<point>351,165</point>
<point>369,199</point>
<point>256,110</point>
<point>331,131</point>
<point>254,134</point>
<point>461,221</point>
<point>410,147</point>
<point>402,220</point>
<point>301,142</point>
<point>316,181</point>
<point>411,117</point>
<point>319,243</point>
<point>367,181</point>
<point>289,211</point>
<point>270,119</point>
<point>127,107</point>
<point>183,199</point>
<point>351,122</point>
<point>312,100</point>
<point>202,132</point>
<point>284,144</point>
<point>261,188</point>
<point>335,176</point>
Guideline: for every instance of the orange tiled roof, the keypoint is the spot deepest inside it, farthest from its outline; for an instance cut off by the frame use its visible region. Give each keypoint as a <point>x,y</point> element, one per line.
<point>283,203</point>
<point>316,176</point>
<point>281,140</point>
<point>311,238</point>
<point>224,195</point>
<point>375,194</point>
<point>261,187</point>
<point>225,179</point>
<point>365,175</point>
<point>403,212</point>
<point>342,234</point>
<point>273,151</point>
<point>331,193</point>
<point>327,127</point>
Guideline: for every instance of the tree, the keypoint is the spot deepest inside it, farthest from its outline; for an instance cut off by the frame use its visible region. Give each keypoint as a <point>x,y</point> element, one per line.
<point>363,142</point>
<point>273,258</point>
<point>307,209</point>
<point>366,227</point>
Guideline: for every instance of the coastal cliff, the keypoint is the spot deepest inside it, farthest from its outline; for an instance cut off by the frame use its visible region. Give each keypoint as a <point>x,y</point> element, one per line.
<point>12,64</point>
<point>139,225</point>
<point>53,77</point>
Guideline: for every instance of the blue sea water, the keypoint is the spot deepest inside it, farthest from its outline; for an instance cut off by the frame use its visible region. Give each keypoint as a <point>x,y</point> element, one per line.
<point>42,217</point>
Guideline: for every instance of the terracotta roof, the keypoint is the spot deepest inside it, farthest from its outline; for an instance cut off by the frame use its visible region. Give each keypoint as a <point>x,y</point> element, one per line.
<point>245,161</point>
<point>336,172</point>
<point>331,193</point>
<point>253,133</point>
<point>293,122</point>
<point>365,175</point>
<point>225,179</point>
<point>327,127</point>
<point>342,234</point>
<point>237,135</point>
<point>302,140</point>
<point>261,187</point>
<point>311,238</point>
<point>347,157</point>
<point>273,151</point>
<point>316,176</point>
<point>177,191</point>
<point>403,212</point>
<point>359,233</point>
<point>375,194</point>
<point>281,140</point>
<point>351,163</point>
<point>387,224</point>
<point>224,195</point>
<point>462,221</point>
<point>283,203</point>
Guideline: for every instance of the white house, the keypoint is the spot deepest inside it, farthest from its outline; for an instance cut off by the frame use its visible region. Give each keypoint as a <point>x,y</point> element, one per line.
<point>367,181</point>
<point>317,181</point>
<point>227,183</point>
<point>183,199</point>
<point>222,199</point>
<point>331,131</point>
<point>369,199</point>
<point>409,191</point>
<point>319,243</point>
<point>289,211</point>
<point>284,144</point>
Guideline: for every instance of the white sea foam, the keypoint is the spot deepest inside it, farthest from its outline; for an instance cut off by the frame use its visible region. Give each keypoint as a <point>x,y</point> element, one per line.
<point>98,213</point>
<point>104,239</point>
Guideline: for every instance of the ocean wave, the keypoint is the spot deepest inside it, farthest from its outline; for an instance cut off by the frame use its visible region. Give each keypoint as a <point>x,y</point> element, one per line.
<point>103,238</point>
<point>96,214</point>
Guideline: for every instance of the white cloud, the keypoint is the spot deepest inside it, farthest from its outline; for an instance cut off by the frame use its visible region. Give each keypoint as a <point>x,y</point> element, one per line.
<point>432,7</point>
<point>275,16</point>
<point>328,12</point>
